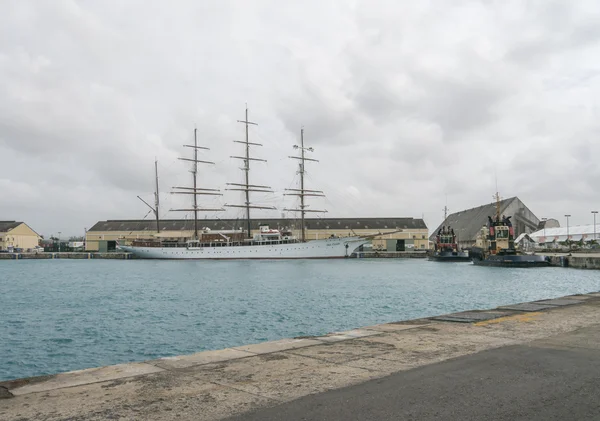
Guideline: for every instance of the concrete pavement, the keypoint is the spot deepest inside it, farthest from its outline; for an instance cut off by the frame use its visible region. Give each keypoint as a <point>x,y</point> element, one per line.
<point>549,379</point>
<point>517,362</point>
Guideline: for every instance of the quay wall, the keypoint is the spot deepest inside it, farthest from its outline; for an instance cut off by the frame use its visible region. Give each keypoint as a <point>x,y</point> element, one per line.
<point>213,385</point>
<point>66,255</point>
<point>581,262</point>
<point>390,254</point>
<point>577,262</point>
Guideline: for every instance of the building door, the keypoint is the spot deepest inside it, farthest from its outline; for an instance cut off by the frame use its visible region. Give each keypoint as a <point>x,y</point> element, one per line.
<point>400,245</point>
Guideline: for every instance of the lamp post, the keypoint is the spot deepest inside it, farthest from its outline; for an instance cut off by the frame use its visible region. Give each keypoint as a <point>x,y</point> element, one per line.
<point>594,213</point>
<point>544,221</point>
<point>568,216</point>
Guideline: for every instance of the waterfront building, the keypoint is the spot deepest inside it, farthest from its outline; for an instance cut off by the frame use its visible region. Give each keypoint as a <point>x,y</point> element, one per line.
<point>552,237</point>
<point>17,235</point>
<point>412,233</point>
<point>468,223</point>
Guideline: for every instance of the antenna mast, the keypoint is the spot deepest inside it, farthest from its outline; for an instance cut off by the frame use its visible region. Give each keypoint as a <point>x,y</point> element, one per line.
<point>497,197</point>
<point>445,212</point>
<point>156,199</point>
<point>247,187</point>
<point>302,192</point>
<point>195,191</point>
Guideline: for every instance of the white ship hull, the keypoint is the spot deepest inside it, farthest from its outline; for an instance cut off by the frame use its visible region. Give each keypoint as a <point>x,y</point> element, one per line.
<point>315,249</point>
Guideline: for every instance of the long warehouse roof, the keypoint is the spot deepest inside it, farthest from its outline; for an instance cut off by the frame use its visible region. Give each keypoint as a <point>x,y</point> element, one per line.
<point>227,224</point>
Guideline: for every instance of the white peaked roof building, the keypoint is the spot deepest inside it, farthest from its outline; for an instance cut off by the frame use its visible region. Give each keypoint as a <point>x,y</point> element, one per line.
<point>576,233</point>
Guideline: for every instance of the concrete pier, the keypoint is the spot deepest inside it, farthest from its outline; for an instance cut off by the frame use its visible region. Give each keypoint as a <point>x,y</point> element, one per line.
<point>66,255</point>
<point>434,368</point>
<point>390,254</point>
<point>575,260</point>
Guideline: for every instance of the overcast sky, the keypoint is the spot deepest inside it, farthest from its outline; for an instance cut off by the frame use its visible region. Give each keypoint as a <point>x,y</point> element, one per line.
<point>409,105</point>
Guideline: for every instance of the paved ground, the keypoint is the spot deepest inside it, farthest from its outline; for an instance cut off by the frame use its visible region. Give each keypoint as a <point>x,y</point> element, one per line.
<point>555,379</point>
<point>529,361</point>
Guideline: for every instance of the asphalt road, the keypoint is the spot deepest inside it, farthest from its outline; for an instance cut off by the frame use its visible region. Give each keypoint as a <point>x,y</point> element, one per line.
<point>553,379</point>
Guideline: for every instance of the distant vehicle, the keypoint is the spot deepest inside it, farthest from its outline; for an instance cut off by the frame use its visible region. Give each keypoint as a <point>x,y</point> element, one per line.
<point>38,249</point>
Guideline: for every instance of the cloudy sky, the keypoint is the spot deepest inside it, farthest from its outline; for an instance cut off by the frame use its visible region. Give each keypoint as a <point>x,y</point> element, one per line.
<point>408,105</point>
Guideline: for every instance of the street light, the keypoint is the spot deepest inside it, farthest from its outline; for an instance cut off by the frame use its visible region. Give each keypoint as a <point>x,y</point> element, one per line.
<point>594,212</point>
<point>568,216</point>
<point>544,220</point>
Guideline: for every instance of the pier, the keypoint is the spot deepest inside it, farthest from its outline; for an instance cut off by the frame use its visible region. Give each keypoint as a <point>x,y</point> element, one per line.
<point>66,255</point>
<point>390,254</point>
<point>524,361</point>
<point>575,260</point>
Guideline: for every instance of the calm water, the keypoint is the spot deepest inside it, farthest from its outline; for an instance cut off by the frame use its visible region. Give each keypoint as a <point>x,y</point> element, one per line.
<point>59,315</point>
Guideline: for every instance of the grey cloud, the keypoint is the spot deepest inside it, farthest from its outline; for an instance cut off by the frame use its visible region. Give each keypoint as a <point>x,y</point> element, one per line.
<point>404,103</point>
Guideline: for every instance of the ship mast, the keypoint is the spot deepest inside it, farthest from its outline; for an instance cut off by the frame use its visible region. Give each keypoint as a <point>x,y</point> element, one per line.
<point>497,197</point>
<point>445,212</point>
<point>247,187</point>
<point>302,192</point>
<point>196,191</point>
<point>156,199</point>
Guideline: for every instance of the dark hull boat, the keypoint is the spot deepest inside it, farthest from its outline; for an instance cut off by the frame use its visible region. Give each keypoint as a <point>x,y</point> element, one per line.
<point>449,256</point>
<point>446,247</point>
<point>495,245</point>
<point>508,260</point>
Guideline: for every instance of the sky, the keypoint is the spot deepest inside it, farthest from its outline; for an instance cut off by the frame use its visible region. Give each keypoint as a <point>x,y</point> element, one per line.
<point>409,106</point>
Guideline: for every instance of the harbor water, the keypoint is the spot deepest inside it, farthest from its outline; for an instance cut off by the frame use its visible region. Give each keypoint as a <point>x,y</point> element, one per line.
<point>60,315</point>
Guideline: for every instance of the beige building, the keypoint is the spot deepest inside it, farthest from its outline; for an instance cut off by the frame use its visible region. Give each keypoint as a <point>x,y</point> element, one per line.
<point>402,233</point>
<point>15,234</point>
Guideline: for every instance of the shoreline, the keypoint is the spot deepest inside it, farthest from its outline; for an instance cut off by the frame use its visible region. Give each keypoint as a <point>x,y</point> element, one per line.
<point>217,384</point>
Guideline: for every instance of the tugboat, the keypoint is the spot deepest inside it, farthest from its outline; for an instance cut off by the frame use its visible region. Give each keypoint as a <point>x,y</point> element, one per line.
<point>495,245</point>
<point>446,248</point>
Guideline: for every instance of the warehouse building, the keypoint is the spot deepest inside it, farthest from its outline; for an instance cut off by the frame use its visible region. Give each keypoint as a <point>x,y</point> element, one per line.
<point>468,223</point>
<point>399,234</point>
<point>17,235</point>
<point>551,237</point>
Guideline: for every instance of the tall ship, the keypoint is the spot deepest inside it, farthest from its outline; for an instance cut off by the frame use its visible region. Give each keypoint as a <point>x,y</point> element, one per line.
<point>495,245</point>
<point>445,248</point>
<point>267,243</point>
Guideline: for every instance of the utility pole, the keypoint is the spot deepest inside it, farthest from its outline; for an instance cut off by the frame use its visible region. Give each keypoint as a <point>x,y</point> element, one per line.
<point>544,221</point>
<point>594,213</point>
<point>302,192</point>
<point>568,240</point>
